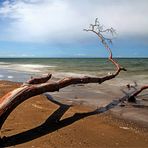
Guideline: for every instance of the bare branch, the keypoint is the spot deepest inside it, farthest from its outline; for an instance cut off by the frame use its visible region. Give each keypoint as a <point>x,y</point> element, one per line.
<point>41,85</point>
<point>98,31</point>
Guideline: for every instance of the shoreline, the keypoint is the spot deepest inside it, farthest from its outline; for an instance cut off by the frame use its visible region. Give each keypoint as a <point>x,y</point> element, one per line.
<point>21,69</point>
<point>103,130</point>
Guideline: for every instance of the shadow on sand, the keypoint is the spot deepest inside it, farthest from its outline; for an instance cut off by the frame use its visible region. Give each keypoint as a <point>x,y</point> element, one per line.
<point>52,124</point>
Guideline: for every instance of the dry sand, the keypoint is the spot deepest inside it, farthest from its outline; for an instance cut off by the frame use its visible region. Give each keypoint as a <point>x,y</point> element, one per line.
<point>27,127</point>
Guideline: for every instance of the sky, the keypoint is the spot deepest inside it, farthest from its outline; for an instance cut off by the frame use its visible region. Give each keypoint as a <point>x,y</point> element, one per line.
<point>54,28</point>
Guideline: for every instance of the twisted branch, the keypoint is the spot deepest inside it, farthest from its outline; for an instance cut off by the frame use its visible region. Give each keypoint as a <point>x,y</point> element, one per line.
<point>99,30</point>
<point>37,86</point>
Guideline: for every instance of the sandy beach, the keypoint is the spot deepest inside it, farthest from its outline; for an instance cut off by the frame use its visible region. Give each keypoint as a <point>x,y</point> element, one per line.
<point>73,74</point>
<point>31,125</point>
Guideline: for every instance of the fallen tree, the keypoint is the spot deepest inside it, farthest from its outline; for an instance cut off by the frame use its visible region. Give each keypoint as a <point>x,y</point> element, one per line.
<point>37,86</point>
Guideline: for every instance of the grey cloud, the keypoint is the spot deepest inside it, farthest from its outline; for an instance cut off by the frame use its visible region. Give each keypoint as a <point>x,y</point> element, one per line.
<point>56,20</point>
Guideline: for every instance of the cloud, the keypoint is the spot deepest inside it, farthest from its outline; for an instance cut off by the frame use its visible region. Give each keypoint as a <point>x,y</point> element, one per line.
<point>63,20</point>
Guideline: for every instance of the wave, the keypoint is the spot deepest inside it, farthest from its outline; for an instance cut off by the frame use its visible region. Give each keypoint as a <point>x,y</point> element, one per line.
<point>34,65</point>
<point>25,67</point>
<point>10,77</point>
<point>69,74</point>
<point>3,63</point>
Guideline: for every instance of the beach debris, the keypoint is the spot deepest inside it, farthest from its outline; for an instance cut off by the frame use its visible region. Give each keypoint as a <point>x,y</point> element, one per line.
<point>132,92</point>
<point>128,86</point>
<point>125,128</point>
<point>131,95</point>
<point>132,98</point>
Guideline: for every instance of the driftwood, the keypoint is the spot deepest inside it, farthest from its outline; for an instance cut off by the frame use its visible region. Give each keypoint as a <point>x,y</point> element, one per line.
<point>37,86</point>
<point>132,98</point>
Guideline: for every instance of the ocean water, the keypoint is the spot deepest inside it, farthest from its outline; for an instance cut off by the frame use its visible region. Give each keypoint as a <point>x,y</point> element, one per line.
<point>20,69</point>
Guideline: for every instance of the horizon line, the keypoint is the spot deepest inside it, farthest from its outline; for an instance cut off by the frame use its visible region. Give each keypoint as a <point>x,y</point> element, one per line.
<point>68,57</point>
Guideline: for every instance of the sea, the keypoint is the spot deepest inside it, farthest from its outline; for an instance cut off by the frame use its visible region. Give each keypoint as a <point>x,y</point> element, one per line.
<point>21,69</point>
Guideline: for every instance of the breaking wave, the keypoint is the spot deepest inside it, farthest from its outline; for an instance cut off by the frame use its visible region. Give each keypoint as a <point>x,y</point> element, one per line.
<point>25,67</point>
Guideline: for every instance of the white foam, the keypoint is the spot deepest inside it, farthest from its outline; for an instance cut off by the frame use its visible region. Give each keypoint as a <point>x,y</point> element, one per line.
<point>10,77</point>
<point>26,67</point>
<point>1,76</point>
<point>3,63</point>
<point>34,65</point>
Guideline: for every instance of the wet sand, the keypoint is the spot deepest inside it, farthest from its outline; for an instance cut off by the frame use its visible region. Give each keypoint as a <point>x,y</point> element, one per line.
<point>31,125</point>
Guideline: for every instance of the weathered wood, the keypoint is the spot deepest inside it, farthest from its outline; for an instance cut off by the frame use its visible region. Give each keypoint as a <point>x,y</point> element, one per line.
<point>39,80</point>
<point>19,95</point>
<point>132,98</point>
<point>37,86</point>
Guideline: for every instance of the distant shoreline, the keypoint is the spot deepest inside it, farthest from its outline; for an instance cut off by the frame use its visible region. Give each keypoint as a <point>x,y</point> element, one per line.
<point>72,57</point>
